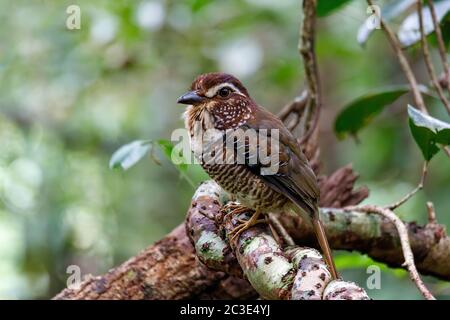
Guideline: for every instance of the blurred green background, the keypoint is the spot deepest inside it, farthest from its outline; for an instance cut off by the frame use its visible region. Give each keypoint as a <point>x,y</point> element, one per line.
<point>70,98</point>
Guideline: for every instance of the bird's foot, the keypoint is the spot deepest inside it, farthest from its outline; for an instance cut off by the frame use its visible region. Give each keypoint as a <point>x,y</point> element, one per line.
<point>245,224</point>
<point>237,208</point>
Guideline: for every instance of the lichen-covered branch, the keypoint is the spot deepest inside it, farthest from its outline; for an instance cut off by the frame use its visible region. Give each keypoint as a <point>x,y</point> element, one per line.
<point>169,268</point>
<point>377,237</point>
<point>291,273</point>
<point>405,244</point>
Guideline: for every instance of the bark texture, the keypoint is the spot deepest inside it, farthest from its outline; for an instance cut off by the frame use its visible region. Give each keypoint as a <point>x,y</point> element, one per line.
<point>166,270</point>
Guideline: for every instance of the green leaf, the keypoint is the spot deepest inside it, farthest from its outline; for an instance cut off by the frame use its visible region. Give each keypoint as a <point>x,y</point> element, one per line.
<point>428,132</point>
<point>357,114</point>
<point>409,31</point>
<point>325,7</point>
<point>388,12</point>
<point>128,155</point>
<point>445,28</point>
<point>177,159</point>
<point>167,147</point>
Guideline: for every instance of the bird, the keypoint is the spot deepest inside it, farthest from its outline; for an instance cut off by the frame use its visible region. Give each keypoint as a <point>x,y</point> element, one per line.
<point>217,106</point>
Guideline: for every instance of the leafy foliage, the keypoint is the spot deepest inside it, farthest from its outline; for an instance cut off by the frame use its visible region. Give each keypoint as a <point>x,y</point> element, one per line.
<point>358,113</point>
<point>428,132</point>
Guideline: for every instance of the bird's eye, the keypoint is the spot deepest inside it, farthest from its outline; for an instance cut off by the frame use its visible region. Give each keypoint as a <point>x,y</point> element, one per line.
<point>224,92</point>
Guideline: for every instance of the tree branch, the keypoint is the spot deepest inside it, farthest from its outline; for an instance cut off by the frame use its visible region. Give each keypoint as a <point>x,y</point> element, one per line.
<point>279,229</point>
<point>307,50</point>
<point>405,244</point>
<point>292,113</point>
<point>412,192</point>
<point>275,271</point>
<point>377,237</point>
<point>169,269</point>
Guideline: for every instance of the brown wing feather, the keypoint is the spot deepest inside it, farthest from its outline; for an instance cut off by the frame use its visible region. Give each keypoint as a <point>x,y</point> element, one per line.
<point>294,178</point>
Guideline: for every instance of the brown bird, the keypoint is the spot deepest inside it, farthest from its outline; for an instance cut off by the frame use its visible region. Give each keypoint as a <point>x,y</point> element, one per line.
<point>219,104</point>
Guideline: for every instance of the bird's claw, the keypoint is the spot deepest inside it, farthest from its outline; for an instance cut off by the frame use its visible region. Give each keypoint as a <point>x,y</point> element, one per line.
<point>245,224</point>
<point>237,209</point>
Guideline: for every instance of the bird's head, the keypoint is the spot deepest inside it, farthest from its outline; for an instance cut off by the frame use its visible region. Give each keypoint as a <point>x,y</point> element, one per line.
<point>220,97</point>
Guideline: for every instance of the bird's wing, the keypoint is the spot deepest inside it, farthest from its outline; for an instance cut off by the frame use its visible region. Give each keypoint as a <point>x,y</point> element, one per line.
<point>294,177</point>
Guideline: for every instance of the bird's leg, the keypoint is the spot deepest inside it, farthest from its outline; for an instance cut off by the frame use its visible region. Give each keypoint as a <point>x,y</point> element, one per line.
<point>324,246</point>
<point>246,224</point>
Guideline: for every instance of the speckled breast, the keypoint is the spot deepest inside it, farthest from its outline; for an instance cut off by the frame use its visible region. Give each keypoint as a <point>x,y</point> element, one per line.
<point>248,188</point>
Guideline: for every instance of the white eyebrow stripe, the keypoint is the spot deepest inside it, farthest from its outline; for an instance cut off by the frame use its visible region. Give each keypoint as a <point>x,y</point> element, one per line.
<point>213,91</point>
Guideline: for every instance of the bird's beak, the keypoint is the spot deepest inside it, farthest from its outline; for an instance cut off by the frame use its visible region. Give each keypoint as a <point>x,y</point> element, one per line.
<point>190,97</point>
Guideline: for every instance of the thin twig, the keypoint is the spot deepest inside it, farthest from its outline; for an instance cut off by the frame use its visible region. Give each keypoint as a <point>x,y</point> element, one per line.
<point>404,240</point>
<point>275,234</point>
<point>306,47</point>
<point>280,230</point>
<point>441,44</point>
<point>404,64</point>
<point>431,212</point>
<point>428,62</point>
<point>295,106</point>
<point>413,192</point>
<point>443,80</point>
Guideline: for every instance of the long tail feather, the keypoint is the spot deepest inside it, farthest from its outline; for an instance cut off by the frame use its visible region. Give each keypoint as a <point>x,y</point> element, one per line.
<point>324,245</point>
